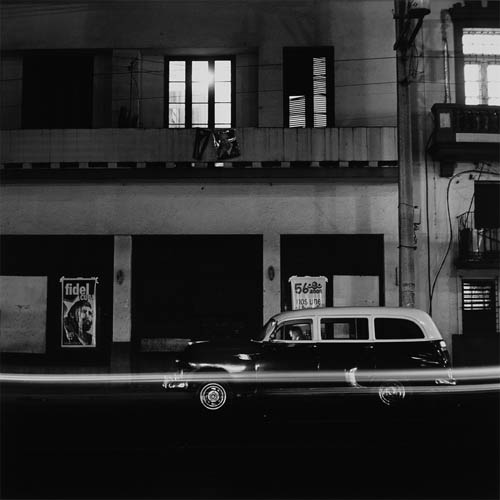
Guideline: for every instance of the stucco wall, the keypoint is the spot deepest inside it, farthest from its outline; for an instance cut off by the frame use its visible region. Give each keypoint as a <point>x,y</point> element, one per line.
<point>157,208</point>
<point>361,32</point>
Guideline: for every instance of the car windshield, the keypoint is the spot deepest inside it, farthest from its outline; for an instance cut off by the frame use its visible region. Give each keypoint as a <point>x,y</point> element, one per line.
<point>268,327</point>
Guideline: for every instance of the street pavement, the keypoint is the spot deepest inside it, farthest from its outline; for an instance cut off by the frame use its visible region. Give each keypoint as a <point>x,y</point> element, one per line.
<point>70,444</point>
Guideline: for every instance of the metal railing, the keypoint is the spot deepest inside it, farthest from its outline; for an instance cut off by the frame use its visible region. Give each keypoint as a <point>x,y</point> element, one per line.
<point>477,244</point>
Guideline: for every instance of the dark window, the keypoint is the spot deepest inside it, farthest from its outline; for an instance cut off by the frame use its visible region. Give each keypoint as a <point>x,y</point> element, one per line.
<point>344,329</point>
<point>400,329</point>
<point>308,86</point>
<point>479,306</point>
<point>487,205</point>
<point>477,53</point>
<point>200,93</point>
<point>57,90</point>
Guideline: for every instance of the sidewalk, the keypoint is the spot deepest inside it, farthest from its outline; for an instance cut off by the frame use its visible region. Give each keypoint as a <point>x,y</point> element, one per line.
<point>121,360</point>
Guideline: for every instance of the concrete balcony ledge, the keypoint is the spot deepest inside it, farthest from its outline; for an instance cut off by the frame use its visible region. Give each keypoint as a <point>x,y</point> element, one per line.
<point>169,154</point>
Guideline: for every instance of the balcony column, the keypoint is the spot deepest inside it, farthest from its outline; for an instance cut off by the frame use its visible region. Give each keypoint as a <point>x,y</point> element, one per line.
<point>122,289</point>
<point>271,278</point>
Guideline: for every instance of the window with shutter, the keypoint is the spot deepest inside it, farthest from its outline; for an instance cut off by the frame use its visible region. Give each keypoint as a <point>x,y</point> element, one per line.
<point>308,86</point>
<point>479,306</point>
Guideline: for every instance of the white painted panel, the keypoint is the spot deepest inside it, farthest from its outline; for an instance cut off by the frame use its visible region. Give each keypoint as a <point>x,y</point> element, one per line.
<point>23,313</point>
<point>355,291</point>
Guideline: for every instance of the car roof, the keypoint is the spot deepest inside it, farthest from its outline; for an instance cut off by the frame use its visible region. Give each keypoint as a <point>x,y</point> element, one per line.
<point>417,315</point>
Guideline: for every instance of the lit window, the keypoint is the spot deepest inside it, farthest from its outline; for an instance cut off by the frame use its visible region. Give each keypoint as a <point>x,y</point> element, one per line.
<point>481,49</point>
<point>200,93</point>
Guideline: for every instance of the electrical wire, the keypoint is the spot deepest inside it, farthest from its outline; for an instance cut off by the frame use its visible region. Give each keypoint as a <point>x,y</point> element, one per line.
<point>450,224</point>
<point>427,222</point>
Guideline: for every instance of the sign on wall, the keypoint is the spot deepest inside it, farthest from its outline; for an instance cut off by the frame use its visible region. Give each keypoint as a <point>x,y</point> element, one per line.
<point>308,291</point>
<point>78,328</point>
<point>23,313</point>
<point>355,290</point>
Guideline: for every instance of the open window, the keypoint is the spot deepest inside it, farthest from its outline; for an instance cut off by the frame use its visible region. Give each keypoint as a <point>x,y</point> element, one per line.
<point>308,86</point>
<point>295,331</point>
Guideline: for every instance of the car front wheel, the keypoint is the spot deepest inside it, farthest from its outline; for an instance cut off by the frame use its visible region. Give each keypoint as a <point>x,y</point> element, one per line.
<point>213,396</point>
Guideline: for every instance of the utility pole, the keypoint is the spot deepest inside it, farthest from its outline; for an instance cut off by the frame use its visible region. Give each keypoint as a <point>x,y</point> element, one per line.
<point>404,18</point>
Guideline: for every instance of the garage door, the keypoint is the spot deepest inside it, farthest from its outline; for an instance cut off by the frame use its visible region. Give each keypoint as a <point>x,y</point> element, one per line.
<point>196,287</point>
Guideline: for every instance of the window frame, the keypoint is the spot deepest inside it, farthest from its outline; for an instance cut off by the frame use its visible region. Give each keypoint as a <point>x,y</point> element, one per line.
<point>211,90</point>
<point>469,17</point>
<point>344,319</point>
<point>423,338</point>
<point>479,278</point>
<point>291,322</point>
<point>312,52</point>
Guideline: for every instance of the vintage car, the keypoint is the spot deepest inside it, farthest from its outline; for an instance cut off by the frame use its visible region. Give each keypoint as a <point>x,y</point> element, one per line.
<point>384,351</point>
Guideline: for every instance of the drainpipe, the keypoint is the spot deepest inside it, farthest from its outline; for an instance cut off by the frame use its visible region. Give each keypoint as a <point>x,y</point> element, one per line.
<point>446,56</point>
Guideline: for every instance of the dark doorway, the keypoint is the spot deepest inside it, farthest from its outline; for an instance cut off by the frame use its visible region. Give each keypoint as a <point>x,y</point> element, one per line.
<point>196,287</point>
<point>330,255</point>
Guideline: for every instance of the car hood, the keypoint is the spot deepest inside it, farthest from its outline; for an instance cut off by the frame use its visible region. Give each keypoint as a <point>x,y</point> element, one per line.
<point>221,348</point>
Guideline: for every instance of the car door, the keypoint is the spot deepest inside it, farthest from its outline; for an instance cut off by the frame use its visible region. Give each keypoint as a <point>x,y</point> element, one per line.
<point>288,362</point>
<point>401,345</point>
<point>344,348</point>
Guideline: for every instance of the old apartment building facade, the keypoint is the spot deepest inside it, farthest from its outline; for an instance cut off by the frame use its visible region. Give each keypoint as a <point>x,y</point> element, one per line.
<point>180,161</point>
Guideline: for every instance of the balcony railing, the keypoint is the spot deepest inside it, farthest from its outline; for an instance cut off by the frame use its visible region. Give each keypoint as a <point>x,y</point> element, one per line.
<point>164,149</point>
<point>477,247</point>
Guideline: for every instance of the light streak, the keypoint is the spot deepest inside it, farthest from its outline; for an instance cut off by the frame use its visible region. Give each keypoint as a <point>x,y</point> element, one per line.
<point>419,380</point>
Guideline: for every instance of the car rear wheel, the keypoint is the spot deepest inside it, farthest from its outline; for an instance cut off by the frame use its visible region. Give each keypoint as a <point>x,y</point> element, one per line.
<point>213,396</point>
<point>391,393</point>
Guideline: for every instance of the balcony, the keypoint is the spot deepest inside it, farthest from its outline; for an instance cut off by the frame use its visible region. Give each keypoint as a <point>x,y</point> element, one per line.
<point>465,133</point>
<point>477,248</point>
<point>265,153</point>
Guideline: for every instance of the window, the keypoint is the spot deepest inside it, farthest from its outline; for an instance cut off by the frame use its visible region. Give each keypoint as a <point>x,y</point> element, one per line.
<point>57,90</point>
<point>479,306</point>
<point>477,43</point>
<point>394,328</point>
<point>293,332</point>
<point>487,205</point>
<point>481,49</point>
<point>200,93</point>
<point>308,86</point>
<point>344,329</point>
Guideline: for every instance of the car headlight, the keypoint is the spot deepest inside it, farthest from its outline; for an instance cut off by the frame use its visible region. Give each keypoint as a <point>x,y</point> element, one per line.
<point>244,357</point>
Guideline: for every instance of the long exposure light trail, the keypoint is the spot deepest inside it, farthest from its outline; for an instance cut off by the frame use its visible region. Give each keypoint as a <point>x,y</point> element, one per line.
<point>467,379</point>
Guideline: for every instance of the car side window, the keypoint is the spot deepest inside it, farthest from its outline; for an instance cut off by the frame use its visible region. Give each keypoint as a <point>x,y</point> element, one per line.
<point>397,329</point>
<point>293,332</point>
<point>344,329</point>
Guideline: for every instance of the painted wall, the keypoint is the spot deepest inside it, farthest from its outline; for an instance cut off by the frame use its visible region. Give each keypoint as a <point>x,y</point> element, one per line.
<point>158,208</point>
<point>256,31</point>
<point>427,88</point>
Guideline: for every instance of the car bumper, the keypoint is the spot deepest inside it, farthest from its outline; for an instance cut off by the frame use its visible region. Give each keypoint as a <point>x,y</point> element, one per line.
<point>449,380</point>
<point>177,382</point>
